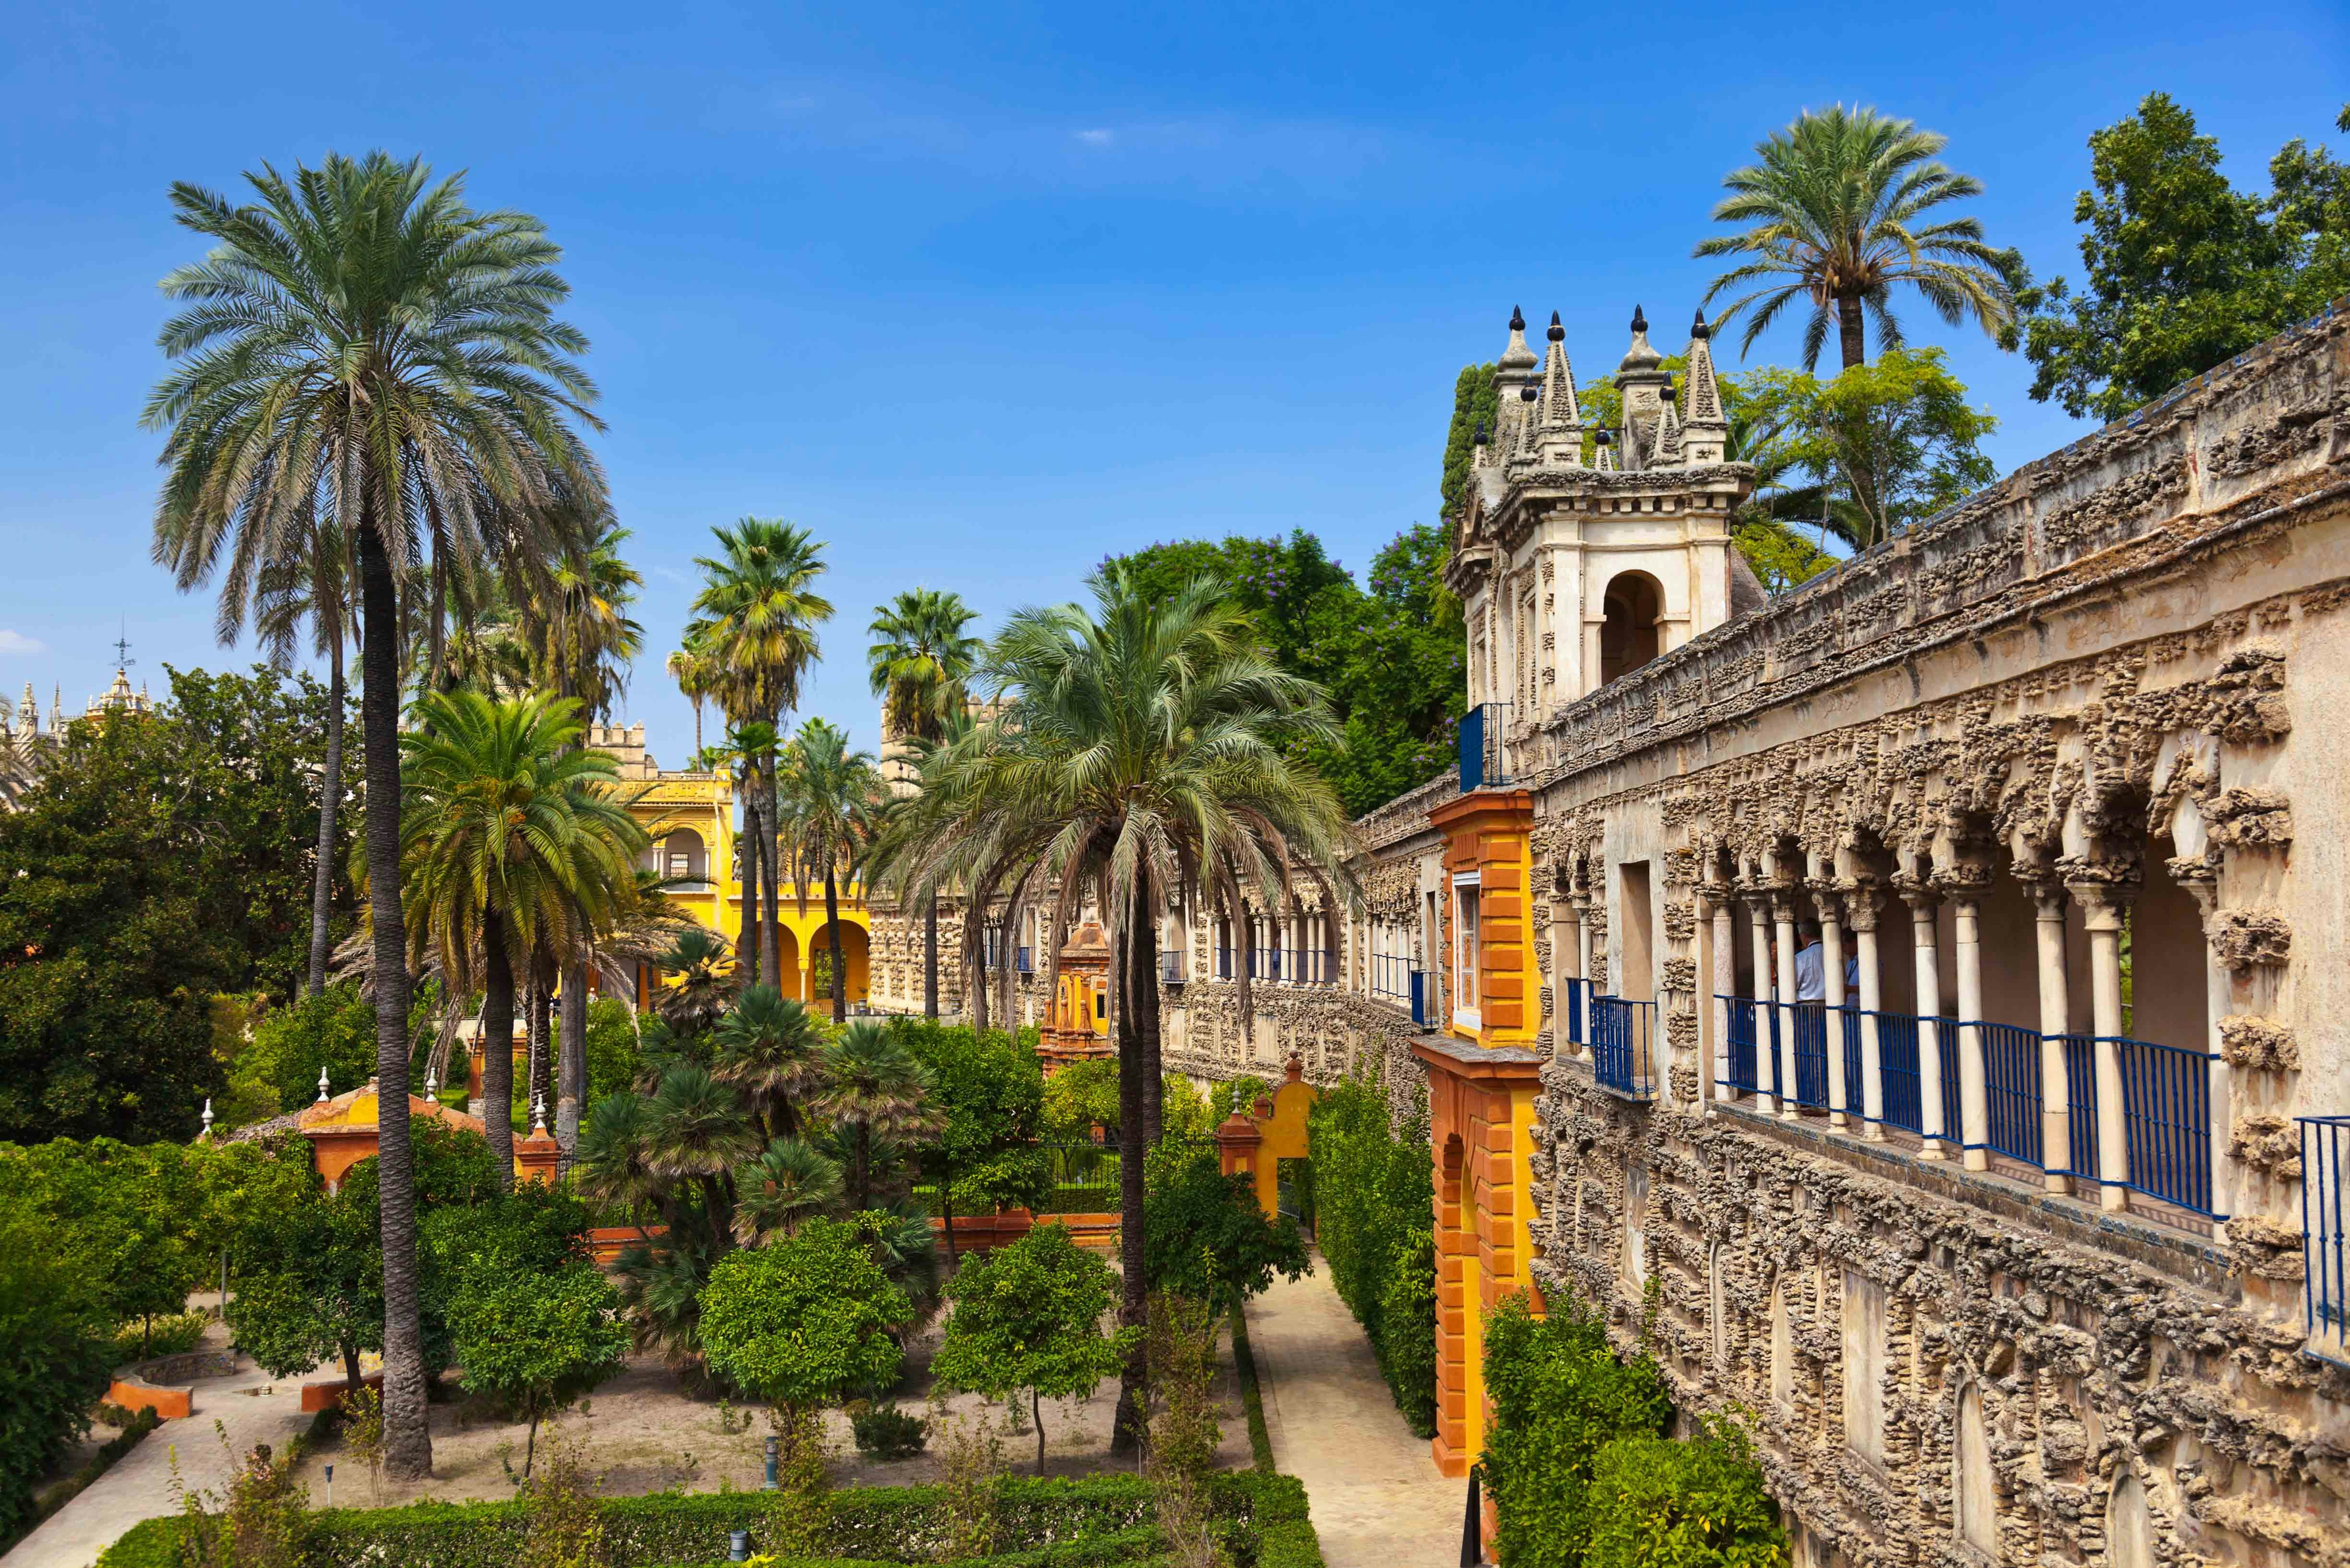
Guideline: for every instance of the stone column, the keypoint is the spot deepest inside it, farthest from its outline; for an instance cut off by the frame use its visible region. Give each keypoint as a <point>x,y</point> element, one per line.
<point>2055,1007</point>
<point>1860,908</point>
<point>1767,1030</point>
<point>1582,945</point>
<point>2199,877</point>
<point>1782,914</point>
<point>1965,888</point>
<point>1823,896</point>
<point>1725,983</point>
<point>1924,902</point>
<point>2103,905</point>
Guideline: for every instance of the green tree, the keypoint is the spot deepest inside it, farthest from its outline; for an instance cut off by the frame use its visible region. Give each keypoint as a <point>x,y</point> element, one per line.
<point>772,1049</point>
<point>1658,1503</point>
<point>309,1280</point>
<point>921,662</point>
<point>2182,269</point>
<point>1476,407</point>
<point>1079,1098</point>
<point>511,834</point>
<point>1375,1223</point>
<point>330,1032</point>
<point>1143,747</point>
<point>805,1320</point>
<point>1832,204</point>
<point>132,1222</point>
<point>1028,1317</point>
<point>990,1091</point>
<point>832,801</point>
<point>755,621</point>
<point>536,1341</point>
<point>56,1348</point>
<point>1208,1239</point>
<point>360,339</point>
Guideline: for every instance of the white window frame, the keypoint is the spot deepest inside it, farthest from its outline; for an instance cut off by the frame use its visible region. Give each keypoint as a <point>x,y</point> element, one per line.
<point>1467,1007</point>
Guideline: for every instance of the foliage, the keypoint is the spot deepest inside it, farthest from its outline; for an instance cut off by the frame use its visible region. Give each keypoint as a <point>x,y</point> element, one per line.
<point>1028,1317</point>
<point>1782,557</point>
<point>875,1099</point>
<point>1184,1433</point>
<point>1207,1238</point>
<point>990,1089</point>
<point>55,1357</point>
<point>130,1221</point>
<point>1894,441</point>
<point>173,1333</point>
<point>612,1053</point>
<point>1375,1192</point>
<point>1252,1394</point>
<point>564,1526</point>
<point>1833,201</point>
<point>1081,1099</point>
<point>805,1320</point>
<point>1476,406</point>
<point>887,1432</point>
<point>1658,1503</point>
<point>536,1342</point>
<point>332,1031</point>
<point>1560,1396</point>
<point>1185,1116</point>
<point>262,1522</point>
<point>309,1280</point>
<point>2182,269</point>
<point>1240,1094</point>
<point>161,859</point>
<point>134,1427</point>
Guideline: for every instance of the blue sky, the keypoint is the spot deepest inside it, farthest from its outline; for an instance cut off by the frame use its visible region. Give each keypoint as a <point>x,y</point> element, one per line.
<point>982,293</point>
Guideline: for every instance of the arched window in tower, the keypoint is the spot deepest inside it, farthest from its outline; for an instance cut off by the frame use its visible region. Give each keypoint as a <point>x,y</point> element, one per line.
<point>1629,637</point>
<point>683,860</point>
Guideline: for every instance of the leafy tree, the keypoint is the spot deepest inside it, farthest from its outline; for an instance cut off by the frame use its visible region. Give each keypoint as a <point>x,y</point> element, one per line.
<point>991,1090</point>
<point>1207,1237</point>
<point>1782,557</point>
<point>536,1342</point>
<point>130,1221</point>
<point>1658,1503</point>
<point>2182,269</point>
<point>332,1032</point>
<point>309,1280</point>
<point>1185,1116</point>
<point>1476,406</point>
<point>613,1058</point>
<point>1893,443</point>
<point>1080,1098</point>
<point>804,1322</point>
<point>1028,1317</point>
<point>1240,1094</point>
<point>1559,1396</point>
<point>148,870</point>
<point>360,345</point>
<point>56,1348</point>
<point>920,662</point>
<point>1833,200</point>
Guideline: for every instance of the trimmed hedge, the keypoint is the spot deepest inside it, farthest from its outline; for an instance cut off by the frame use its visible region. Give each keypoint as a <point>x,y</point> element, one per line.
<point>1375,1192</point>
<point>1048,1523</point>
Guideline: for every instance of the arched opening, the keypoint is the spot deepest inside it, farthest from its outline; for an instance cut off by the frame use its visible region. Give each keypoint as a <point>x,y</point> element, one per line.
<point>1975,1502</point>
<point>854,961</point>
<point>683,858</point>
<point>1629,636</point>
<point>2130,1528</point>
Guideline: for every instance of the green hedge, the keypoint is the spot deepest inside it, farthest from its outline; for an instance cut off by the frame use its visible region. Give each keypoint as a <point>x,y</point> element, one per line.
<point>1375,1195</point>
<point>1047,1523</point>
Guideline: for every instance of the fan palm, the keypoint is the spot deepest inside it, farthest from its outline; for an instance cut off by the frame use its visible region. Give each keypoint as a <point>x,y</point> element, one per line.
<point>1143,747</point>
<point>613,1164</point>
<point>697,1130</point>
<point>772,1050</point>
<point>511,834</point>
<point>831,805</point>
<point>789,1183</point>
<point>1833,204</point>
<point>876,1091</point>
<point>755,619</point>
<point>703,990</point>
<point>920,662</point>
<point>360,340</point>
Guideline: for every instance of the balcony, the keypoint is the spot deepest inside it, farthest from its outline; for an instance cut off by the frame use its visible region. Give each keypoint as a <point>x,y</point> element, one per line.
<point>1484,762</point>
<point>1398,978</point>
<point>1623,1046</point>
<point>1780,1051</point>
<point>2326,1235</point>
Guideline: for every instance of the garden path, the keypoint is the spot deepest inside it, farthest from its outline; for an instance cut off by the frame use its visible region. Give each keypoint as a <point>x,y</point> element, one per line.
<point>1377,1498</point>
<point>251,1407</point>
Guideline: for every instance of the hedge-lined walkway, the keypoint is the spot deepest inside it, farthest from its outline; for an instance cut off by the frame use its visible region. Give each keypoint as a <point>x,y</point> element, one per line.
<point>1378,1501</point>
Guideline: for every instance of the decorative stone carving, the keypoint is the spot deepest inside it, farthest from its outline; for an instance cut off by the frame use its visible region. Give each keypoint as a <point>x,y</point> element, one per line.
<point>2248,937</point>
<point>2248,1040</point>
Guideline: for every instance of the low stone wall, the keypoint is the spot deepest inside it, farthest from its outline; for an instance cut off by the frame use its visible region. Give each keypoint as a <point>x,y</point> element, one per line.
<point>162,1384</point>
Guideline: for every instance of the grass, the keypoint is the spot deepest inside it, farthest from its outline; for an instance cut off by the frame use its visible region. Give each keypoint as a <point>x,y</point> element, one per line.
<point>1251,1393</point>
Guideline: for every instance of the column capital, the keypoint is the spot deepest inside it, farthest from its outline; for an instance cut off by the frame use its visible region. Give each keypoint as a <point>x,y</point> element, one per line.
<point>1919,892</point>
<point>1861,902</point>
<point>1826,892</point>
<point>2102,902</point>
<point>2045,887</point>
<point>1963,882</point>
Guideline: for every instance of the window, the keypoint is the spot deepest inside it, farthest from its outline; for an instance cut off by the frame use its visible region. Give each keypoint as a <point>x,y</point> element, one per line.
<point>1464,946</point>
<point>1628,637</point>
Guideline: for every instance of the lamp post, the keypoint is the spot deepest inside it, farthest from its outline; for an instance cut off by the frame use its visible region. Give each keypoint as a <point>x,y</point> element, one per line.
<point>330,1486</point>
<point>775,1452</point>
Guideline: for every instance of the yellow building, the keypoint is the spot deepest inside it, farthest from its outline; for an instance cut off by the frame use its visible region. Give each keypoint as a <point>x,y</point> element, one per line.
<point>690,818</point>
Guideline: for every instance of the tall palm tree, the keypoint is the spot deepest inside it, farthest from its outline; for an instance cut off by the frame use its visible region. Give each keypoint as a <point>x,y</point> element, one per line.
<point>920,662</point>
<point>512,833</point>
<point>1831,203</point>
<point>876,1091</point>
<point>697,681</point>
<point>1143,747</point>
<point>831,808</point>
<point>756,618</point>
<point>361,340</point>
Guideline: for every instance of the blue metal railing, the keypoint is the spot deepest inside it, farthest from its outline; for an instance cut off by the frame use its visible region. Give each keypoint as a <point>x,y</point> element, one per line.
<point>1575,1008</point>
<point>1023,962</point>
<point>1170,969</point>
<point>1395,976</point>
<point>2010,1057</point>
<point>2166,1121</point>
<point>1623,1045</point>
<point>1224,963</point>
<point>2080,1104</point>
<point>1811,1025</point>
<point>1265,963</point>
<point>1896,1065</point>
<point>2325,1233</point>
<point>1481,763</point>
<point>1742,1046</point>
<point>1313,966</point>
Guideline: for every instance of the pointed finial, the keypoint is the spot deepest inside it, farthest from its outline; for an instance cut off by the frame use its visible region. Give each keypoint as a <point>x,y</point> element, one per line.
<point>1639,319</point>
<point>1517,319</point>
<point>322,1085</point>
<point>208,1118</point>
<point>1529,392</point>
<point>432,1082</point>
<point>1698,328</point>
<point>538,1114</point>
<point>1557,333</point>
<point>1481,433</point>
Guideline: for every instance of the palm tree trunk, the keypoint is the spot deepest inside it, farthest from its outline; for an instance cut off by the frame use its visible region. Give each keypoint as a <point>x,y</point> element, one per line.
<point>931,959</point>
<point>1125,1436</point>
<point>542,989</point>
<point>1849,336</point>
<point>974,976</point>
<point>1142,1002</point>
<point>571,1059</point>
<point>407,1430</point>
<point>497,1046</point>
<point>330,800</point>
<point>771,947</point>
<point>832,934</point>
<point>746,871</point>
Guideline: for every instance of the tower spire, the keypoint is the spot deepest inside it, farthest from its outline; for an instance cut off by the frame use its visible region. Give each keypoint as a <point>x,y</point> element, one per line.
<point>1513,371</point>
<point>1562,424</point>
<point>1705,434</point>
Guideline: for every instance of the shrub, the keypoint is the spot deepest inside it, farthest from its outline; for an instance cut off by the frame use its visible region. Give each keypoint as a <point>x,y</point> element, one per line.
<point>171,1333</point>
<point>887,1432</point>
<point>1560,1394</point>
<point>1375,1218</point>
<point>1657,1503</point>
<point>55,1356</point>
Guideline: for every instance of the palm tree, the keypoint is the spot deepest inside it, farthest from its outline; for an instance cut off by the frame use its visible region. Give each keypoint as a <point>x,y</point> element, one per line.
<point>875,1092</point>
<point>697,682</point>
<point>360,340</point>
<point>1143,747</point>
<point>789,1183</point>
<point>696,1130</point>
<point>920,663</point>
<point>511,833</point>
<point>703,990</point>
<point>748,751</point>
<point>312,586</point>
<point>1831,201</point>
<point>831,808</point>
<point>772,1050</point>
<point>755,619</point>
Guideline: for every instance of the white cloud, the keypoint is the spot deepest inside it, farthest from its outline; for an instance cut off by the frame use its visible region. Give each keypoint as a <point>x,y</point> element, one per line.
<point>17,642</point>
<point>1096,136</point>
